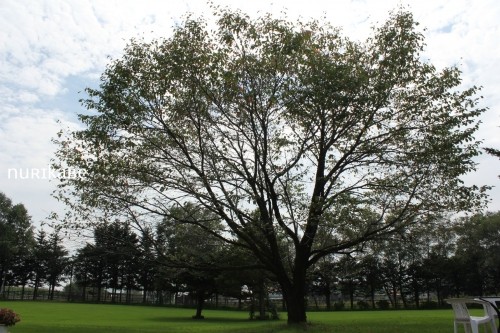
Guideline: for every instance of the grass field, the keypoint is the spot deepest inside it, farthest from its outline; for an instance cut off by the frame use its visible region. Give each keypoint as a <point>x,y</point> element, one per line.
<point>45,317</point>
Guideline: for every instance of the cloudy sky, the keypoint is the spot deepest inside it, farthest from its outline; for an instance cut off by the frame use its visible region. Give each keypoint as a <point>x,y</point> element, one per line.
<point>51,50</point>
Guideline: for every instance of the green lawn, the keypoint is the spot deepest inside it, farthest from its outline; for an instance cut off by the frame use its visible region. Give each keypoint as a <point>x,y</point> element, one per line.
<point>45,317</point>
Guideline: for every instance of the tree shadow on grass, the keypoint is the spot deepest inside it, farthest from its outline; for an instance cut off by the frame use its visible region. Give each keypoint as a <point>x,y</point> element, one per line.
<point>208,320</point>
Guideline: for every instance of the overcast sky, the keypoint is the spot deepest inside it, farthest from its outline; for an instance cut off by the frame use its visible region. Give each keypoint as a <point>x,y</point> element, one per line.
<point>51,50</point>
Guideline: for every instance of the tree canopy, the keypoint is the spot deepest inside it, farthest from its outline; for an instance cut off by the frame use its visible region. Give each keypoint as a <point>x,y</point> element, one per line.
<point>301,141</point>
<point>16,236</point>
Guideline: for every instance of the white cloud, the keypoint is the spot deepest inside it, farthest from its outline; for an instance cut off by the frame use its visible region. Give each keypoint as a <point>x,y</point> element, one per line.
<point>25,144</point>
<point>49,49</point>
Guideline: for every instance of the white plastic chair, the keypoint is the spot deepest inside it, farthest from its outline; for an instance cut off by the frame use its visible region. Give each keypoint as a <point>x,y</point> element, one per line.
<point>492,310</point>
<point>462,315</point>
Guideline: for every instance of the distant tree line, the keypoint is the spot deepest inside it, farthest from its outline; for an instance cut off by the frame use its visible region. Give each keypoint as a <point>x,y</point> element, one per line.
<point>28,257</point>
<point>415,268</point>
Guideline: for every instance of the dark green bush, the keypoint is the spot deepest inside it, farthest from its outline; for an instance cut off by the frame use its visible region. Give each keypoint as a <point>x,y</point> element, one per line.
<point>383,304</point>
<point>429,305</point>
<point>339,306</point>
<point>363,305</point>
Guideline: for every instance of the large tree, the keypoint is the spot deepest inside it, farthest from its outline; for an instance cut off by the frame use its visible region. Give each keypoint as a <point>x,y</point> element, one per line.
<point>16,242</point>
<point>190,255</point>
<point>57,261</point>
<point>304,143</point>
<point>477,248</point>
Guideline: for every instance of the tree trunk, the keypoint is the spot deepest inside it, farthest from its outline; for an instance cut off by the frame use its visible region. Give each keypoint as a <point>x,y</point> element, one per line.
<point>200,300</point>
<point>403,297</point>
<point>262,305</point>
<point>35,290</point>
<point>295,299</point>
<point>294,290</point>
<point>3,277</point>
<point>159,295</point>
<point>99,293</point>
<point>372,296</point>
<point>388,294</point>
<point>395,296</point>
<point>296,310</point>
<point>416,294</point>
<point>328,295</point>
<point>351,294</point>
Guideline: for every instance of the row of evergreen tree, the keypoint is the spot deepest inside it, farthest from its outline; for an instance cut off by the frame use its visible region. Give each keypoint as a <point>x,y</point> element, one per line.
<point>424,264</point>
<point>29,257</point>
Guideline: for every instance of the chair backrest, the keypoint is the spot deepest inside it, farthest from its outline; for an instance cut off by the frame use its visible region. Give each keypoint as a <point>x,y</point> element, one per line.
<point>493,308</point>
<point>460,307</point>
<point>492,311</point>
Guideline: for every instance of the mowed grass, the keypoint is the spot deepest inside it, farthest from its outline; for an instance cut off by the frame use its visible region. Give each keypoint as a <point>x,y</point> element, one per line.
<point>53,317</point>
